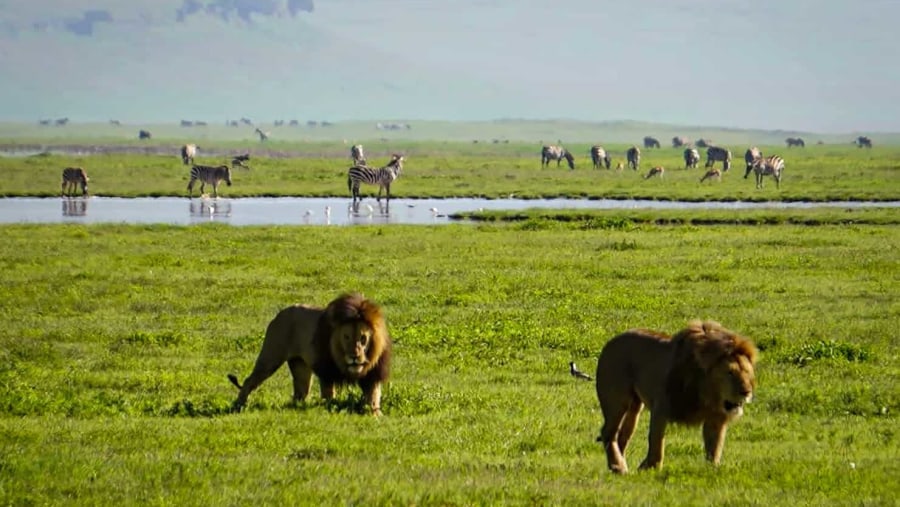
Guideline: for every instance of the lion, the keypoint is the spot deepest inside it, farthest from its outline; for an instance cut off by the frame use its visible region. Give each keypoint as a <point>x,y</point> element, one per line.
<point>702,375</point>
<point>346,342</point>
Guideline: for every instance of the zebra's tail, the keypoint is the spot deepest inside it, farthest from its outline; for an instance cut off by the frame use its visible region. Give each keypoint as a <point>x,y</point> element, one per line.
<point>349,183</point>
<point>234,380</point>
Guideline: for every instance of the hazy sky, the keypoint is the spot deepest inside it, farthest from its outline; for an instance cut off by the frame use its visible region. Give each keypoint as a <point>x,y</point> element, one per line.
<point>815,65</point>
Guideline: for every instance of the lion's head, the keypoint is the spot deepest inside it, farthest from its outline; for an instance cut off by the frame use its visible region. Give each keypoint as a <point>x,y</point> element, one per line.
<point>358,337</point>
<point>713,372</point>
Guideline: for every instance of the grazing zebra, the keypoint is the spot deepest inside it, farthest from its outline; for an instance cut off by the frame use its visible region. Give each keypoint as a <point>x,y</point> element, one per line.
<point>241,161</point>
<point>704,143</point>
<point>651,142</point>
<point>382,177</point>
<point>656,171</point>
<point>144,134</point>
<point>768,166</point>
<point>211,175</point>
<point>357,154</point>
<point>691,158</point>
<point>72,177</point>
<point>188,152</point>
<point>795,141</point>
<point>751,155</point>
<point>715,172</point>
<point>600,156</point>
<point>557,153</point>
<point>863,141</point>
<point>715,154</point>
<point>633,156</point>
<point>678,141</point>
<point>263,136</point>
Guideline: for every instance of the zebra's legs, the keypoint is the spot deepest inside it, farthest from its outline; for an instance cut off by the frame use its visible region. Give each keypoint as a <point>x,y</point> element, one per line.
<point>190,187</point>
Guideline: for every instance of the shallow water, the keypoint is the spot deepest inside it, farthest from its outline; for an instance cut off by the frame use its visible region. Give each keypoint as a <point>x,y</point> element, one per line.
<point>323,211</point>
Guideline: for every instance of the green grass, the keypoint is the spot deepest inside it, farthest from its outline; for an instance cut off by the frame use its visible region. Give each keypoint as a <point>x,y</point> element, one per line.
<point>117,339</point>
<point>442,170</point>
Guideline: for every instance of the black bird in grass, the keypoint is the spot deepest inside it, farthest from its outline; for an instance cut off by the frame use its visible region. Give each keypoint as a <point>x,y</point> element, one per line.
<point>576,373</point>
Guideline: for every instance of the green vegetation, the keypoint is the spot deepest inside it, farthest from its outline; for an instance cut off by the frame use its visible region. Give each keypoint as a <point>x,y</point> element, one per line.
<point>439,170</point>
<point>117,339</point>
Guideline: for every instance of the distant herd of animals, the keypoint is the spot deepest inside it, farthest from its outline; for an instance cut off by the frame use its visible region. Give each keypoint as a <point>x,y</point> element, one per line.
<point>360,173</point>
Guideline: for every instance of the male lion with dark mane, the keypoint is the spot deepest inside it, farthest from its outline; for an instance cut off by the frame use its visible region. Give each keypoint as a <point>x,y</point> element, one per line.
<point>702,375</point>
<point>346,342</point>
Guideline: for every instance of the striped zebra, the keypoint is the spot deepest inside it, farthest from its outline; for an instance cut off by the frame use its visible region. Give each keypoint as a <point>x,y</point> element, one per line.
<point>863,141</point>
<point>633,157</point>
<point>188,152</point>
<point>750,155</point>
<point>715,172</point>
<point>600,157</point>
<point>651,142</point>
<point>557,153</point>
<point>795,141</point>
<point>678,142</point>
<point>715,154</point>
<point>691,158</point>
<point>768,166</point>
<point>382,177</point>
<point>209,175</point>
<point>263,136</point>
<point>656,171</point>
<point>357,154</point>
<point>72,177</point>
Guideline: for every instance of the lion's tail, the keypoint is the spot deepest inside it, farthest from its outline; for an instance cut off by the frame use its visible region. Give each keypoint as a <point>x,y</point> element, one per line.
<point>234,380</point>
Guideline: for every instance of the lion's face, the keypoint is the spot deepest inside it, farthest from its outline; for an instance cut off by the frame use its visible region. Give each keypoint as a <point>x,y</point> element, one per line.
<point>734,380</point>
<point>354,339</point>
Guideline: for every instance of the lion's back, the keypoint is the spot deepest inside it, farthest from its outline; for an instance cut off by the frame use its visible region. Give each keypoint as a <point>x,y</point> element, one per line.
<point>634,361</point>
<point>292,331</point>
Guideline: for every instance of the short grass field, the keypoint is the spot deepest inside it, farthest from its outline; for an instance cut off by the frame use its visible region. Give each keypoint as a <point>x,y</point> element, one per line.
<point>117,338</point>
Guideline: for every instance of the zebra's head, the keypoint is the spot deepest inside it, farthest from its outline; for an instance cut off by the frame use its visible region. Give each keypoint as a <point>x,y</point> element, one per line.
<point>396,163</point>
<point>570,159</point>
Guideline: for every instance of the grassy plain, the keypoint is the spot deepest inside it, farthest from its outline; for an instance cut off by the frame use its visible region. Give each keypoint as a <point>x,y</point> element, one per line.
<point>117,339</point>
<point>441,169</point>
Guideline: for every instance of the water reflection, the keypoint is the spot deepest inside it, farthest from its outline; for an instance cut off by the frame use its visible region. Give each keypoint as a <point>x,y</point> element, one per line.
<point>209,209</point>
<point>74,207</point>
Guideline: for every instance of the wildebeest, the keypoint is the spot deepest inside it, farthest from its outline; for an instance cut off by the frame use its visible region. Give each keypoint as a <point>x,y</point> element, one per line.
<point>862,141</point>
<point>557,153</point>
<point>715,154</point>
<point>633,157</point>
<point>144,134</point>
<point>691,158</point>
<point>188,152</point>
<point>795,141</point>
<point>599,156</point>
<point>241,161</point>
<point>750,155</point>
<point>651,142</point>
<point>678,141</point>
<point>704,143</point>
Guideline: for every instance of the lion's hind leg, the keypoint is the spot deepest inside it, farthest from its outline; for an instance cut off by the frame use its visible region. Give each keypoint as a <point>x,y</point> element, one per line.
<point>628,423</point>
<point>260,373</point>
<point>618,425</point>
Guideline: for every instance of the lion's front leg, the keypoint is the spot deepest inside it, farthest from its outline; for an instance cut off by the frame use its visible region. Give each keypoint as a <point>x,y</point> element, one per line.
<point>372,397</point>
<point>302,375</point>
<point>327,390</point>
<point>713,439</point>
<point>657,441</point>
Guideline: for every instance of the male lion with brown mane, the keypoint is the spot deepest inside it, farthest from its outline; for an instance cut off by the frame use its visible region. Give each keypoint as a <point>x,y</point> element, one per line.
<point>346,342</point>
<point>702,375</point>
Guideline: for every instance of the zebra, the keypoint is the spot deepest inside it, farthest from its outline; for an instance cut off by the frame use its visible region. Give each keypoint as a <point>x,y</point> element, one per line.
<point>678,142</point>
<point>144,134</point>
<point>633,157</point>
<point>691,158</point>
<point>188,152</point>
<point>768,166</point>
<point>357,154</point>
<point>715,154</point>
<point>715,172</point>
<point>240,161</point>
<point>72,177</point>
<point>656,171</point>
<point>795,141</point>
<point>752,154</point>
<point>211,175</point>
<point>263,136</point>
<point>600,156</point>
<point>650,142</point>
<point>382,177</point>
<point>556,153</point>
<point>863,141</point>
